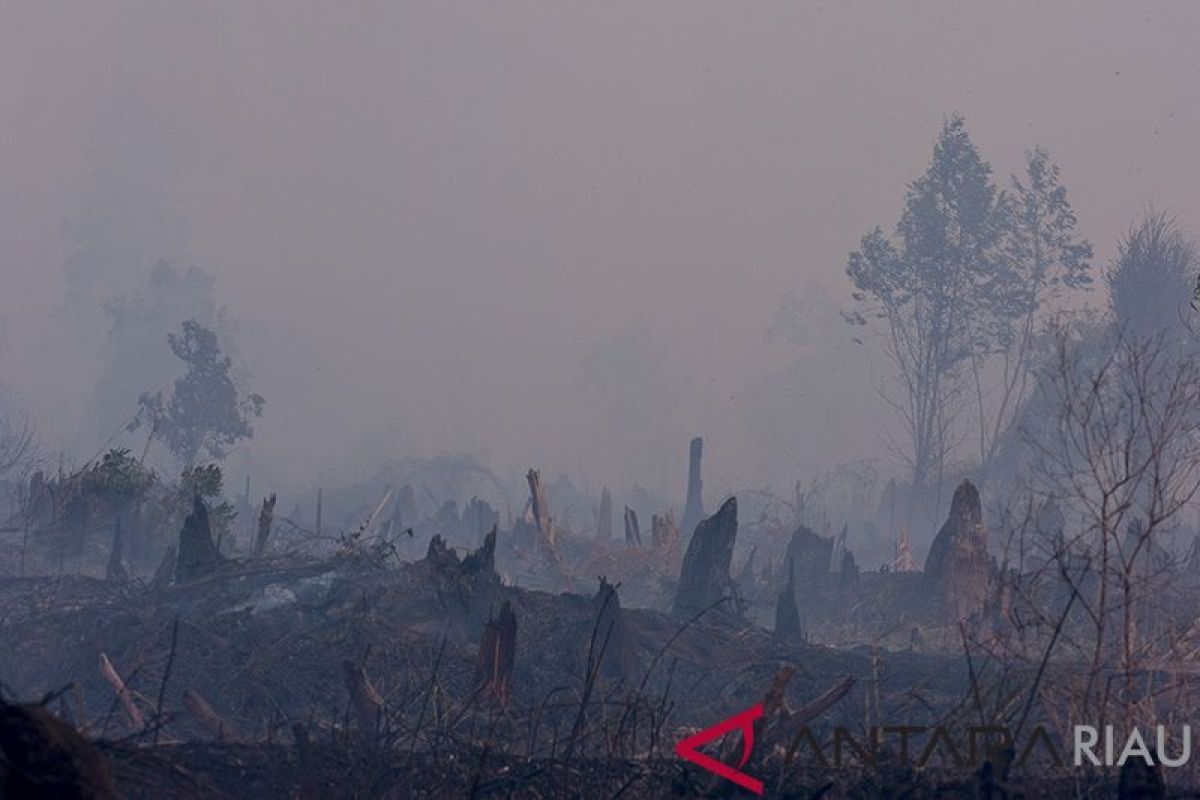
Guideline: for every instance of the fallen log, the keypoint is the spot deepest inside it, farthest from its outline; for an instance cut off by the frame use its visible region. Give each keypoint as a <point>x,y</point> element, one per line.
<point>123,694</point>
<point>203,713</point>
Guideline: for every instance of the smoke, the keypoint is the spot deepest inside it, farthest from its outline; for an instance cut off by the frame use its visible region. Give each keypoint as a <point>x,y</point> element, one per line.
<point>433,225</point>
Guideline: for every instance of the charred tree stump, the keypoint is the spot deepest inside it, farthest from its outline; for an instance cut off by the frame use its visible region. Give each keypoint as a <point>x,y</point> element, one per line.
<point>848,579</point>
<point>497,654</point>
<point>198,555</point>
<point>604,516</point>
<point>957,567</point>
<point>693,509</point>
<point>467,590</point>
<point>265,516</point>
<point>704,578</point>
<point>609,640</point>
<point>633,534</point>
<point>483,560</point>
<point>547,542</point>
<point>115,571</point>
<point>365,700</point>
<point>787,615</point>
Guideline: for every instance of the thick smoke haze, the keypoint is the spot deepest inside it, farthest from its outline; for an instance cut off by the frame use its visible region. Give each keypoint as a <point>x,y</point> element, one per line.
<point>544,234</point>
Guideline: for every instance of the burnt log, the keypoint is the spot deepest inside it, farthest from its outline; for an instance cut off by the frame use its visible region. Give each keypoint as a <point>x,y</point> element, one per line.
<point>497,655</point>
<point>958,568</point>
<point>198,555</point>
<point>704,578</point>
<point>693,509</point>
<point>213,722</point>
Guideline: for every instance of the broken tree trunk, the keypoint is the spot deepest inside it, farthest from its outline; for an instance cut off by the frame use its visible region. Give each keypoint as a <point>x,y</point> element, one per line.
<point>957,567</point>
<point>115,571</point>
<point>317,526</point>
<point>483,560</point>
<point>704,578</point>
<point>693,509</point>
<point>546,539</point>
<point>604,516</point>
<point>198,555</point>
<point>497,654</point>
<point>609,640</point>
<point>265,516</point>
<point>204,713</point>
<point>633,534</point>
<point>123,694</point>
<point>365,699</point>
<point>787,615</point>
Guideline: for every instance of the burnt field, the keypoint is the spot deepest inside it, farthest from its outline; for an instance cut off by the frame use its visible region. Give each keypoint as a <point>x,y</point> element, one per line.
<point>359,673</point>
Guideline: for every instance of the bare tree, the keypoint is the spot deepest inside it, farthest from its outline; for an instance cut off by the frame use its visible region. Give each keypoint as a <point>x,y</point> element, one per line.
<point>1122,456</point>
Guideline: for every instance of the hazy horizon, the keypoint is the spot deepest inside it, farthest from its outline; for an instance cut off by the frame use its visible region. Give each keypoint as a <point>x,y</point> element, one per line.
<point>547,235</point>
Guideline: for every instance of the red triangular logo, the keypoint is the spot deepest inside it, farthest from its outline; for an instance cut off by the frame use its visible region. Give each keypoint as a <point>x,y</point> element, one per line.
<point>744,722</point>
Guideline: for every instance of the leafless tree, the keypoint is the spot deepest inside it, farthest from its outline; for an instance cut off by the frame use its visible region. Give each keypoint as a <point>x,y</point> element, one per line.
<point>1121,454</point>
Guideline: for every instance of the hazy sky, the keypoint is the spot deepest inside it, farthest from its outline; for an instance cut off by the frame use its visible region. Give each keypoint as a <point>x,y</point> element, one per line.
<point>427,216</point>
